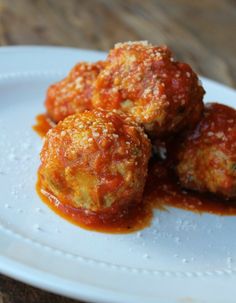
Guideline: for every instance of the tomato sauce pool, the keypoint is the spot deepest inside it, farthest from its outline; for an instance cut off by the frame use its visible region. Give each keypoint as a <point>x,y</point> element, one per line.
<point>162,190</point>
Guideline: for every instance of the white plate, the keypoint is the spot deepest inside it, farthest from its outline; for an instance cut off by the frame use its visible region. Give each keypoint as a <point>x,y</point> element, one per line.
<point>183,257</point>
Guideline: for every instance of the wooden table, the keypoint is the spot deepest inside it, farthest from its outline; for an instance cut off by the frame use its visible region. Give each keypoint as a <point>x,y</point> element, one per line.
<point>201,33</point>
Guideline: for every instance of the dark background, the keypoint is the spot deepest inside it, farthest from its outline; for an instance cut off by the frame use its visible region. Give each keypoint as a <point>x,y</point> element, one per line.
<point>202,33</point>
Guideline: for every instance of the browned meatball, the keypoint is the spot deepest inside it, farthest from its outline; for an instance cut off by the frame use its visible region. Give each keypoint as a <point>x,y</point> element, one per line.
<point>144,80</point>
<point>72,94</point>
<point>207,157</point>
<point>95,160</point>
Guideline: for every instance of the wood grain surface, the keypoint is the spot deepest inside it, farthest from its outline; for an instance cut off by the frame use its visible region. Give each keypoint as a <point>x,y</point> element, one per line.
<point>201,33</point>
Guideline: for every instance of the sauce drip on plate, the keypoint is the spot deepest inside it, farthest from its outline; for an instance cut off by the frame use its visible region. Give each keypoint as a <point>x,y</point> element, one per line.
<point>163,190</point>
<point>43,125</point>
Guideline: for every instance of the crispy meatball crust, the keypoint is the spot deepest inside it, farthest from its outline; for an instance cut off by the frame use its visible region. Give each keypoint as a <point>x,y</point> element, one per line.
<point>207,157</point>
<point>72,94</point>
<point>95,160</point>
<point>144,81</point>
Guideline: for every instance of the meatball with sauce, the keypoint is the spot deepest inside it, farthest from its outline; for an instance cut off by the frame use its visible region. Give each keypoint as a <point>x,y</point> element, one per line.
<point>72,94</point>
<point>207,157</point>
<point>144,80</point>
<point>95,160</point>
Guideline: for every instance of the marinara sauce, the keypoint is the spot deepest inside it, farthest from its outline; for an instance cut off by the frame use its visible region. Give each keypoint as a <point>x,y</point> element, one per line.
<point>162,190</point>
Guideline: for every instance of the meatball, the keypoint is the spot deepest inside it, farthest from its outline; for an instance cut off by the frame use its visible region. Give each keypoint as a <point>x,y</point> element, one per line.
<point>145,81</point>
<point>72,94</point>
<point>207,157</point>
<point>95,160</point>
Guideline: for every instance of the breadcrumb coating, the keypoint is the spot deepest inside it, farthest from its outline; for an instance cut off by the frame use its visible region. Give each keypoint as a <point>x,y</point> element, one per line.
<point>207,157</point>
<point>144,80</point>
<point>72,94</point>
<point>94,160</point>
